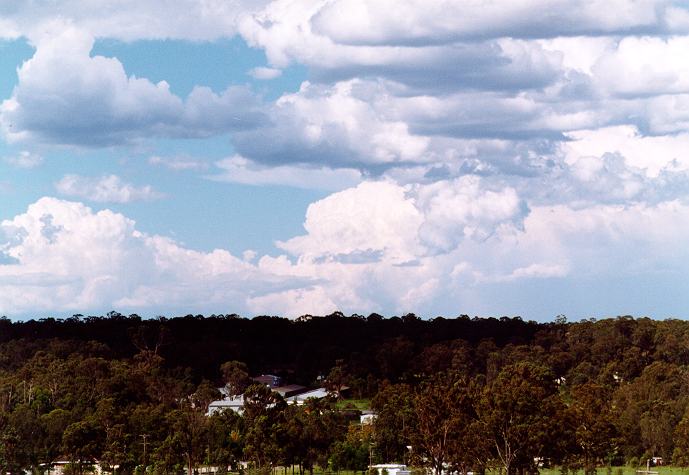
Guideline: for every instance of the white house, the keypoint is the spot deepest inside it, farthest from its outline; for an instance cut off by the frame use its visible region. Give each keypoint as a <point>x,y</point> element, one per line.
<point>233,403</point>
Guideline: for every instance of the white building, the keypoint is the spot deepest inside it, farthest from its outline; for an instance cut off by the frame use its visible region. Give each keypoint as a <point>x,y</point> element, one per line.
<point>233,403</point>
<point>301,398</point>
<point>391,469</point>
<point>367,417</point>
<point>236,403</point>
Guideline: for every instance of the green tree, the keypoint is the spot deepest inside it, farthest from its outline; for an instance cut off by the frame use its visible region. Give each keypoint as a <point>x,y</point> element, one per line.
<point>236,377</point>
<point>352,453</point>
<point>262,414</point>
<point>225,440</point>
<point>591,421</point>
<point>395,415</point>
<point>516,415</point>
<point>444,429</point>
<point>337,379</point>
<point>82,442</point>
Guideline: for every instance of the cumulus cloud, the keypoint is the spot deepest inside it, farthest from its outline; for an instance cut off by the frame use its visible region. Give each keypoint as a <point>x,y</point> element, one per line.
<point>375,22</point>
<point>337,125</point>
<point>68,257</point>
<point>642,66</point>
<point>374,217</point>
<point>472,145</point>
<point>384,96</point>
<point>364,249</point>
<point>447,73</point>
<point>403,223</point>
<point>65,96</point>
<point>131,20</point>
<point>397,267</point>
<point>651,153</point>
<point>104,189</point>
<point>74,257</point>
<point>285,31</point>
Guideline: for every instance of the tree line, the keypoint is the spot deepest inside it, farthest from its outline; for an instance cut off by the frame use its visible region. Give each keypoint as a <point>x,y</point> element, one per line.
<point>464,394</point>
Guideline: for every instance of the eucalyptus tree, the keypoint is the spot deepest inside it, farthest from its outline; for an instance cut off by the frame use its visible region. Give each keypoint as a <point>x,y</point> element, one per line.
<point>517,415</point>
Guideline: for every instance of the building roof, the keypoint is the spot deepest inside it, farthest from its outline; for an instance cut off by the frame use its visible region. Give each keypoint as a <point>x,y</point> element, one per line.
<point>293,394</point>
<point>301,398</point>
<point>269,380</point>
<point>290,390</point>
<point>235,403</point>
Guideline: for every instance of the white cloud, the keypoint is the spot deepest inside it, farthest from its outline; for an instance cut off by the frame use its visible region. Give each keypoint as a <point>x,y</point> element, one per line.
<point>379,220</point>
<point>264,73</point>
<point>178,163</point>
<point>337,125</point>
<point>307,301</point>
<point>25,159</point>
<point>364,250</point>
<point>285,31</point>
<point>238,169</point>
<point>355,21</point>
<point>68,257</point>
<point>457,115</point>
<point>65,96</point>
<point>650,153</point>
<point>104,189</point>
<point>131,20</point>
<point>465,209</point>
<point>359,244</point>
<point>423,21</point>
<point>375,218</point>
<point>641,66</point>
<point>389,268</point>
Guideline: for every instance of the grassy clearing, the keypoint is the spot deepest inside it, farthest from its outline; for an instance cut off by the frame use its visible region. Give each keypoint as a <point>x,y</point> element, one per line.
<point>360,404</point>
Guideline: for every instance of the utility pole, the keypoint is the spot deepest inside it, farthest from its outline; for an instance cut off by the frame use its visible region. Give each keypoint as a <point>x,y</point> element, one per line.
<point>144,436</point>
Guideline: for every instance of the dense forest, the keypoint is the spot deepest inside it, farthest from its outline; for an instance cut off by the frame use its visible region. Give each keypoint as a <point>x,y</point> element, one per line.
<point>459,394</point>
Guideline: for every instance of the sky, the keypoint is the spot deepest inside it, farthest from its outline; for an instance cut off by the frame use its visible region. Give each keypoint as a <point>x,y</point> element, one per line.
<point>291,157</point>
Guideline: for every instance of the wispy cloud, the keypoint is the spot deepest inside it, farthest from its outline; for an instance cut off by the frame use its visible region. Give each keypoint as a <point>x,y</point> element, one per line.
<point>104,189</point>
<point>238,169</point>
<point>178,163</point>
<point>24,159</point>
<point>264,73</point>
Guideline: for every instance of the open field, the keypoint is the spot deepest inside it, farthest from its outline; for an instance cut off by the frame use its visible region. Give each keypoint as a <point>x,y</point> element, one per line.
<point>360,404</point>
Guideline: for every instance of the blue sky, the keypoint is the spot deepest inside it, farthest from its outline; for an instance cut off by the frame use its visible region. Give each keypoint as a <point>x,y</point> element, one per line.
<point>292,157</point>
<point>213,211</point>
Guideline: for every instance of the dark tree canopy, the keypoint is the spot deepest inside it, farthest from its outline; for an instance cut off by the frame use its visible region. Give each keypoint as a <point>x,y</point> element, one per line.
<point>464,393</point>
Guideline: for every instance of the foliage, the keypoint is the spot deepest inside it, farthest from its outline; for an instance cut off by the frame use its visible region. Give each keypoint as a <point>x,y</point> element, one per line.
<point>464,394</point>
